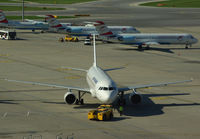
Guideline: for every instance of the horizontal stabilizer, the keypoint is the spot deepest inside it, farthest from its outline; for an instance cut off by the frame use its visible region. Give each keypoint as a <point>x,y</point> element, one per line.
<point>114,69</point>
<point>70,68</point>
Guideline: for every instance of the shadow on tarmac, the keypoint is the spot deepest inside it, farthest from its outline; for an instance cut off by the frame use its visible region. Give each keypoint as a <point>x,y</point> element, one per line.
<point>8,102</point>
<point>166,50</point>
<point>146,108</point>
<point>87,106</point>
<point>149,108</point>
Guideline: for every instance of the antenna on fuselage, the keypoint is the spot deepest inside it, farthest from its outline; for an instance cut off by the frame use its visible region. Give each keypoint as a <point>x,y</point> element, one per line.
<point>95,56</point>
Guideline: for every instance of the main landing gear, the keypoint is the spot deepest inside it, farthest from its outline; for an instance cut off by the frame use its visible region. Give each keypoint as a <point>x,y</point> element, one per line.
<point>140,47</point>
<point>187,46</point>
<point>79,100</point>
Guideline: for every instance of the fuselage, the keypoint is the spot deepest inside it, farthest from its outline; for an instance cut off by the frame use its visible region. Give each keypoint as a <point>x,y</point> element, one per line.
<point>25,25</point>
<point>101,85</point>
<point>89,30</point>
<point>143,38</point>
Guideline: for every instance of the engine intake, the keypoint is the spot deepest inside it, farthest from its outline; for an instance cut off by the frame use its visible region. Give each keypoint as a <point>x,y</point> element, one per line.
<point>135,98</point>
<point>69,98</point>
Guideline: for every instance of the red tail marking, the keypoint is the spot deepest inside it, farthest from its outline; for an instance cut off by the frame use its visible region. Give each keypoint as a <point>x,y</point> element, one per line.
<point>57,26</point>
<point>4,21</point>
<point>107,33</point>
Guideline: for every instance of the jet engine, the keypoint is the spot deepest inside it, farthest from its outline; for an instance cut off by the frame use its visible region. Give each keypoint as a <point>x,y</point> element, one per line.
<point>69,98</point>
<point>135,98</point>
<point>69,30</point>
<point>126,38</point>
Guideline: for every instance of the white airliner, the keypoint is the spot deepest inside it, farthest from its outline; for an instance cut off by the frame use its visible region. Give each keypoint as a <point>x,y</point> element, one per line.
<point>22,25</point>
<point>146,39</point>
<point>56,26</point>
<point>101,86</point>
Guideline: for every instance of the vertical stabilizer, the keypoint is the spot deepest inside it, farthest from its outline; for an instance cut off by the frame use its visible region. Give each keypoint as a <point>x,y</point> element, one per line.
<point>95,56</point>
<point>53,22</point>
<point>3,18</point>
<point>102,29</point>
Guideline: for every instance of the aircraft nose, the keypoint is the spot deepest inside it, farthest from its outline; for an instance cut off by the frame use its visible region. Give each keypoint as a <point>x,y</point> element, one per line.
<point>137,31</point>
<point>195,40</point>
<point>109,97</point>
<point>69,30</point>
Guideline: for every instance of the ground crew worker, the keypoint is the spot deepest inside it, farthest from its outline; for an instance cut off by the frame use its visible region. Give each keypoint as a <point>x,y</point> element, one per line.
<point>61,39</point>
<point>121,110</point>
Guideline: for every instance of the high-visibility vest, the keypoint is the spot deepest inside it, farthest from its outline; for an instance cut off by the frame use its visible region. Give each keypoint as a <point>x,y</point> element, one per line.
<point>120,108</point>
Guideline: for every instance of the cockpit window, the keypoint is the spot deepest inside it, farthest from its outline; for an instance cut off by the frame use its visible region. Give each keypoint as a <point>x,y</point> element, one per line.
<point>191,37</point>
<point>107,88</point>
<point>111,88</point>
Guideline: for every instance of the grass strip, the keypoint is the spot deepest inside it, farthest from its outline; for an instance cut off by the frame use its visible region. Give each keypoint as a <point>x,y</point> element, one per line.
<point>19,8</point>
<point>9,1</point>
<point>35,17</point>
<point>59,1</point>
<point>175,3</point>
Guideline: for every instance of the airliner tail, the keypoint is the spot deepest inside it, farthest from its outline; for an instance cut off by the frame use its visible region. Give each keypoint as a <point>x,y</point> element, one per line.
<point>3,18</point>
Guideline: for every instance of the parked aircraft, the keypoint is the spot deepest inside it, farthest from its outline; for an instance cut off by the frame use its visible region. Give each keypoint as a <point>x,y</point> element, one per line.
<point>56,26</point>
<point>45,22</point>
<point>22,25</point>
<point>146,39</point>
<point>101,86</point>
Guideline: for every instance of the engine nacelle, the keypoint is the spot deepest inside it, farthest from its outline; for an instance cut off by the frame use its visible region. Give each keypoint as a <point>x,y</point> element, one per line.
<point>69,98</point>
<point>126,38</point>
<point>135,98</point>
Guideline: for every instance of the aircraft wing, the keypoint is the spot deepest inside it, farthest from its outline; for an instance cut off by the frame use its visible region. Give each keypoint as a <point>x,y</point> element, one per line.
<point>70,68</point>
<point>150,85</point>
<point>51,85</point>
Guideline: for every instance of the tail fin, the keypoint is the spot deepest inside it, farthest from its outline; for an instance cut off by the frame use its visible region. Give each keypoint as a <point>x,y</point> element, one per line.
<point>95,56</point>
<point>102,29</point>
<point>3,18</point>
<point>53,22</point>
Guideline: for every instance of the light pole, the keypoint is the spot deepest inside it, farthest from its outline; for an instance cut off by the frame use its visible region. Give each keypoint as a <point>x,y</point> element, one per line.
<point>22,10</point>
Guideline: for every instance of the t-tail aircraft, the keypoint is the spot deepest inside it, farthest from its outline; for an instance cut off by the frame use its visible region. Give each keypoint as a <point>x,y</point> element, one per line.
<point>144,39</point>
<point>56,26</point>
<point>22,25</point>
<point>101,86</point>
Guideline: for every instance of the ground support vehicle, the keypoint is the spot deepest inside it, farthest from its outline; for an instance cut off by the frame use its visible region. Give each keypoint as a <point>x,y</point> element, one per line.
<point>87,42</point>
<point>102,113</point>
<point>71,39</point>
<point>7,35</point>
